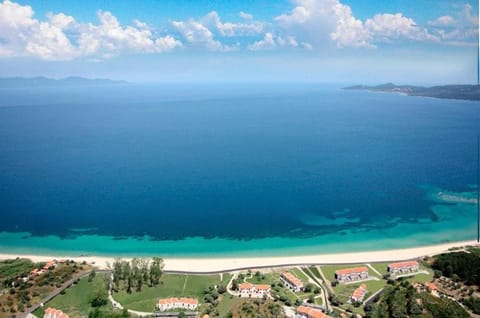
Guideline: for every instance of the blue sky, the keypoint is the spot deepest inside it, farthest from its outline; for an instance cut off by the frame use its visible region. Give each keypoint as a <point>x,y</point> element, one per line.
<point>337,41</point>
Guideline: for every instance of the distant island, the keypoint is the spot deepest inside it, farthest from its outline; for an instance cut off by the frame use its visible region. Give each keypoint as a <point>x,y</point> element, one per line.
<point>466,92</point>
<point>12,82</point>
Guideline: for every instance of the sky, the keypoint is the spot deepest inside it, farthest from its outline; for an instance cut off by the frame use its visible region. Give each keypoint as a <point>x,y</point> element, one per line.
<point>326,41</point>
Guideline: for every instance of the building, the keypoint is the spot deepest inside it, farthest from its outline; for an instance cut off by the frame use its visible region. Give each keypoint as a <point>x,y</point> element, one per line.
<point>359,294</point>
<point>44,269</point>
<point>177,303</point>
<point>432,288</point>
<point>54,313</point>
<point>308,312</point>
<point>49,264</point>
<point>253,291</point>
<point>292,282</point>
<point>351,274</point>
<point>403,267</point>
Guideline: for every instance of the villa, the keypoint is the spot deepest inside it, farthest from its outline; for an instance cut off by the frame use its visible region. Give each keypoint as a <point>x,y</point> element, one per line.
<point>252,290</point>
<point>177,303</point>
<point>54,313</point>
<point>308,312</point>
<point>359,294</point>
<point>292,282</point>
<point>403,267</point>
<point>351,274</point>
<point>44,269</point>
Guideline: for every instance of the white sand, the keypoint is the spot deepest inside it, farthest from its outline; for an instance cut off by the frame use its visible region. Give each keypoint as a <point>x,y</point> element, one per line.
<point>213,264</point>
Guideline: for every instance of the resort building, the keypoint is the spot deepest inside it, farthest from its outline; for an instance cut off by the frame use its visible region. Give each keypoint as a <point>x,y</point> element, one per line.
<point>308,312</point>
<point>50,264</point>
<point>351,274</point>
<point>177,303</point>
<point>54,313</point>
<point>252,290</point>
<point>292,282</point>
<point>44,269</point>
<point>403,267</point>
<point>359,294</point>
<point>432,288</point>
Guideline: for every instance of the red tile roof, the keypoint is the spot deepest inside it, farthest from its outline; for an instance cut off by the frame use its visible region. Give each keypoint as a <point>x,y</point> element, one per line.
<point>292,279</point>
<point>347,271</point>
<point>359,292</point>
<point>311,312</point>
<point>403,264</point>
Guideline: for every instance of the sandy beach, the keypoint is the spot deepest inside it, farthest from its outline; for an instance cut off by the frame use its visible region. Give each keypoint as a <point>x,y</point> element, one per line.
<point>206,265</point>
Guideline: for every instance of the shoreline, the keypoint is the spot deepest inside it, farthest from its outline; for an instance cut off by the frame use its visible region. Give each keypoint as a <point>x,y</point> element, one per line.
<point>212,265</point>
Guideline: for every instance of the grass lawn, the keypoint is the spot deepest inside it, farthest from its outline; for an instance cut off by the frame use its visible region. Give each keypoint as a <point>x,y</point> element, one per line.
<point>15,267</point>
<point>76,301</point>
<point>422,278</point>
<point>299,274</point>
<point>226,304</point>
<point>173,285</point>
<point>267,278</point>
<point>381,267</point>
<point>225,279</point>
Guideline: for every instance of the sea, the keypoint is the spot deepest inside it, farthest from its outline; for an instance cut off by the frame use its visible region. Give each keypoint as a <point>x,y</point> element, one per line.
<point>183,170</point>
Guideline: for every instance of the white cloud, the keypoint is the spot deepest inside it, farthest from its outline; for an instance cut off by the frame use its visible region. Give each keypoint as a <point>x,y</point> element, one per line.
<point>109,38</point>
<point>321,22</point>
<point>271,41</point>
<point>213,21</point>
<point>388,27</point>
<point>198,35</point>
<point>23,35</point>
<point>267,43</point>
<point>442,21</point>
<point>246,16</point>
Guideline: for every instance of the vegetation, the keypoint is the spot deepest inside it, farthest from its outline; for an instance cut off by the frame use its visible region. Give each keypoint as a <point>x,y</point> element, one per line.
<point>171,285</point>
<point>12,269</point>
<point>136,273</point>
<point>403,300</point>
<point>459,266</point>
<point>80,299</point>
<point>256,308</point>
<point>24,292</point>
<point>473,303</point>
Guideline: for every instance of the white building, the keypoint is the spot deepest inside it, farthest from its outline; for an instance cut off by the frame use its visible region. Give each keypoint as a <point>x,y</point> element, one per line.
<point>54,313</point>
<point>351,274</point>
<point>403,267</point>
<point>253,291</point>
<point>359,294</point>
<point>292,282</point>
<point>177,303</point>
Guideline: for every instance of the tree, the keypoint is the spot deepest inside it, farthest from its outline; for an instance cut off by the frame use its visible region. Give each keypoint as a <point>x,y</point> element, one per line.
<point>100,298</point>
<point>92,275</point>
<point>156,270</point>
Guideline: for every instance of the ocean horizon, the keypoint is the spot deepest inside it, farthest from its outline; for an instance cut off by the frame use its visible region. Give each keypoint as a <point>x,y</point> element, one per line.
<point>233,170</point>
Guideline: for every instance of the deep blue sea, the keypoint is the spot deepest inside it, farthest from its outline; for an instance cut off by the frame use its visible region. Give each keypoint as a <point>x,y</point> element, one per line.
<point>233,169</point>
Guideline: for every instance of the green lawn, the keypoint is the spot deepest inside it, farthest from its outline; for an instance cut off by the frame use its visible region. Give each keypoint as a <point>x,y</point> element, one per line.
<point>76,300</point>
<point>422,278</point>
<point>381,267</point>
<point>329,270</point>
<point>173,285</point>
<point>299,274</point>
<point>267,278</point>
<point>15,267</point>
<point>226,304</point>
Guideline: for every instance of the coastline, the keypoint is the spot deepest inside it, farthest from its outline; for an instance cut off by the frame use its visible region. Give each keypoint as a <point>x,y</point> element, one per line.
<point>226,264</point>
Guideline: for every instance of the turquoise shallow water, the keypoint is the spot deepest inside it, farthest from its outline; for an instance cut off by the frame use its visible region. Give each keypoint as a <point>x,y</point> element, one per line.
<point>455,220</point>
<point>232,170</point>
